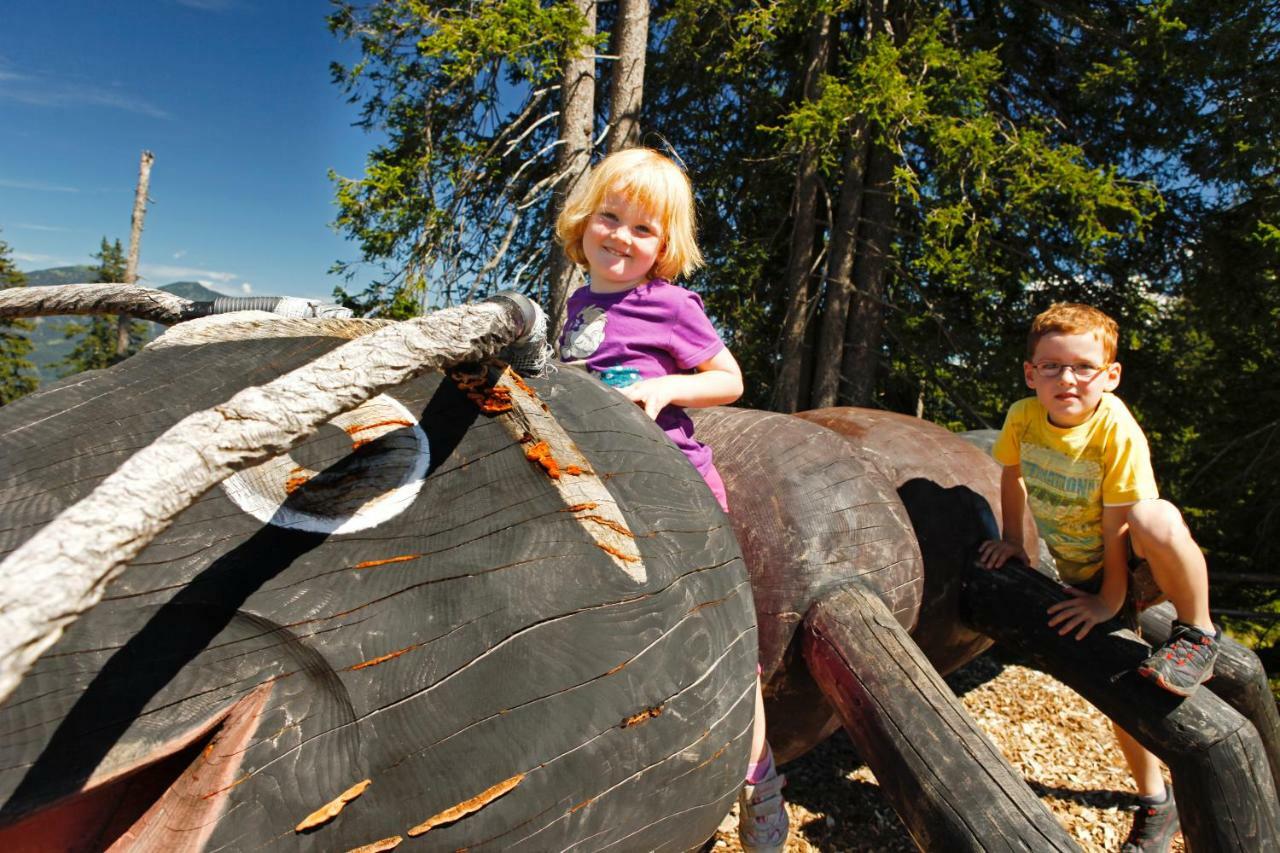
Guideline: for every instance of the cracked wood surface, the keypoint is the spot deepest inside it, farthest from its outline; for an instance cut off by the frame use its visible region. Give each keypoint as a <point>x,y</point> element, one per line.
<point>479,634</point>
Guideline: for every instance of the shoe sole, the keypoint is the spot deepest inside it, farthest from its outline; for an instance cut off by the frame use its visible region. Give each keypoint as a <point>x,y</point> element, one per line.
<point>1158,679</point>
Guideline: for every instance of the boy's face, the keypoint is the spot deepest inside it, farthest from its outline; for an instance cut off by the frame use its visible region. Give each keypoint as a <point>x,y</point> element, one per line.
<point>1068,398</point>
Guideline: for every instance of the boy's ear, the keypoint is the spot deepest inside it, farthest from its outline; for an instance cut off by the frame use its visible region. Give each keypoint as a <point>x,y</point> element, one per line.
<point>1029,373</point>
<point>1113,376</point>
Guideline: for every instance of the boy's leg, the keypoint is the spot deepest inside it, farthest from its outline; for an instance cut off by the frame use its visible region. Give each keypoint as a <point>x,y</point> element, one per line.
<point>1160,536</point>
<point>1144,766</point>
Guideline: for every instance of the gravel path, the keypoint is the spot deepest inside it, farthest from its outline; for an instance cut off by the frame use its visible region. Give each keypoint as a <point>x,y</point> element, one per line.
<point>1060,743</point>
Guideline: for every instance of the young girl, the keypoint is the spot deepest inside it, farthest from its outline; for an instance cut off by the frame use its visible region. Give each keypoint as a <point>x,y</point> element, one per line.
<point>631,224</point>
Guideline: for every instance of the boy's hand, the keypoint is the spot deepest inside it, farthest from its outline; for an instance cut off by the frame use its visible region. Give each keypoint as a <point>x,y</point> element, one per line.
<point>1080,613</point>
<point>994,553</point>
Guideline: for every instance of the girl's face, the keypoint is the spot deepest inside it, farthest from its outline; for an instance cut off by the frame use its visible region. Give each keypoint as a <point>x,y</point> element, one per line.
<point>622,242</point>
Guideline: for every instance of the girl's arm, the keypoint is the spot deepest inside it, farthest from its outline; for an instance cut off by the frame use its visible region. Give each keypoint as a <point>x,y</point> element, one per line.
<point>717,382</point>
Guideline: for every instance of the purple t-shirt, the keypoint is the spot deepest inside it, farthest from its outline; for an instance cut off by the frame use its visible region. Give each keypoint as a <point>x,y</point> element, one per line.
<point>652,330</point>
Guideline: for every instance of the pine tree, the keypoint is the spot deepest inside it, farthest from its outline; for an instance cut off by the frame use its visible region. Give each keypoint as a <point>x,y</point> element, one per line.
<point>95,346</point>
<point>17,373</point>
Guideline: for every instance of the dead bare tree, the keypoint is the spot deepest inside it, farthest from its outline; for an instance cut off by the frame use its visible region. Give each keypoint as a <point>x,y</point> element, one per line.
<point>626,81</point>
<point>135,242</point>
<point>577,116</point>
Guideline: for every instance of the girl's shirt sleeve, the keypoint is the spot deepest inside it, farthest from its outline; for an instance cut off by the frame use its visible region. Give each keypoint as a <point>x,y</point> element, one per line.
<point>693,339</point>
<point>1007,449</point>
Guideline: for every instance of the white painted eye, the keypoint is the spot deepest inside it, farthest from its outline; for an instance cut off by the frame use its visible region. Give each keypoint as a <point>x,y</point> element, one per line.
<point>355,491</point>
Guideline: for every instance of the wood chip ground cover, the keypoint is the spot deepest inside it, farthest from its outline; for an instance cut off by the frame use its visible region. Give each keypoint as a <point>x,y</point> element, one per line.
<point>1061,745</point>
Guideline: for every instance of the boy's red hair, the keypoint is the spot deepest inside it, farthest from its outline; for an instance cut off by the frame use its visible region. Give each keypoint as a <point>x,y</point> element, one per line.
<point>1073,318</point>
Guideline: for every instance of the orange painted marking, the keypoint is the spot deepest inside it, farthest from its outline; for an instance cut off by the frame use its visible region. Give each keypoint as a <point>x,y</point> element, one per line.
<point>582,805</point>
<point>609,549</point>
<point>292,484</point>
<point>369,564</point>
<point>581,507</point>
<point>378,846</point>
<point>574,470</point>
<point>330,810</point>
<point>642,717</point>
<point>463,809</point>
<point>540,453</point>
<point>609,523</point>
<point>384,658</point>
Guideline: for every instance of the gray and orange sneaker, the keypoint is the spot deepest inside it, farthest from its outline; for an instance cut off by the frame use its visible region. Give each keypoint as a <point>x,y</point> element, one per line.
<point>1184,661</point>
<point>1154,826</point>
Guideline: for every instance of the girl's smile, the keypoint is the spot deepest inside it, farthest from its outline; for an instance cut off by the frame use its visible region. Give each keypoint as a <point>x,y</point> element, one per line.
<point>622,242</point>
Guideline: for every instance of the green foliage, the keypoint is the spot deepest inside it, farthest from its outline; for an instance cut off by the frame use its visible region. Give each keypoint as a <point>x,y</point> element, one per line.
<point>17,373</point>
<point>95,339</point>
<point>454,202</point>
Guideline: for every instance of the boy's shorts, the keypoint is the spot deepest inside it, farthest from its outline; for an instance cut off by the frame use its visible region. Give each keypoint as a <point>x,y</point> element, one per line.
<point>1142,591</point>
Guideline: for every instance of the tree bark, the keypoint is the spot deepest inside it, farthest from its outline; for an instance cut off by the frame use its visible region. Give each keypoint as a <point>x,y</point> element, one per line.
<point>839,293</point>
<point>788,396</point>
<point>135,241</point>
<point>577,121</point>
<point>866,315</point>
<point>626,82</point>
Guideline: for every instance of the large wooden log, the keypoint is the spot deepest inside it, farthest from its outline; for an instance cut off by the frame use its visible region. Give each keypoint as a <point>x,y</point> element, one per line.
<point>1226,796</point>
<point>811,518</point>
<point>949,784</point>
<point>422,608</point>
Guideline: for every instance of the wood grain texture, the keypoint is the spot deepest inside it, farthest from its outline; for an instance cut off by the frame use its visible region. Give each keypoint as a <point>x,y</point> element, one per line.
<point>477,635</point>
<point>1226,796</point>
<point>811,517</point>
<point>951,787</point>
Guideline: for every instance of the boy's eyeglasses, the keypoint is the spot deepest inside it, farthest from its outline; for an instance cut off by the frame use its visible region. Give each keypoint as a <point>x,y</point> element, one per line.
<point>1083,372</point>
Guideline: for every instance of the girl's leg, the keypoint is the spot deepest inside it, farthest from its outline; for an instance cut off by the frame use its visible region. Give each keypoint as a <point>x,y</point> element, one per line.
<point>1144,766</point>
<point>760,755</point>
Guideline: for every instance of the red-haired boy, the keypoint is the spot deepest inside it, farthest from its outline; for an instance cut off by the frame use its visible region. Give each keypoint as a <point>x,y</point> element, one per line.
<point>1078,457</point>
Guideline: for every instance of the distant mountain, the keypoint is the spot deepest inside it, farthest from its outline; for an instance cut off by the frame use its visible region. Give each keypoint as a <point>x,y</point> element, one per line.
<point>51,343</point>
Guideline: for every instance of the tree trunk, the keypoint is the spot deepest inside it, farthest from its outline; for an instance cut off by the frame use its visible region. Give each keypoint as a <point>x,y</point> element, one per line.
<point>788,396</point>
<point>135,240</point>
<point>866,315</point>
<point>844,241</point>
<point>626,83</point>
<point>577,120</point>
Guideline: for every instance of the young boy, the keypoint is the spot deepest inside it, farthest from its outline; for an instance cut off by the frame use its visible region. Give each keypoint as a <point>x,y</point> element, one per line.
<point>1076,453</point>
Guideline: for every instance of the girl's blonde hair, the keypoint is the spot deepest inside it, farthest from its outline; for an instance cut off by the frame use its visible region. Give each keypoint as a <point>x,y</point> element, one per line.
<point>651,180</point>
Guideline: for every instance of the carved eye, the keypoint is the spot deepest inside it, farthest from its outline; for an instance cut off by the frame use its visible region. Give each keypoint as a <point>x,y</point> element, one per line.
<point>373,478</point>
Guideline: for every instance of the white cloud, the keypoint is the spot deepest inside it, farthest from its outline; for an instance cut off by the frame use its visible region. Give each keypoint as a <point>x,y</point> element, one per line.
<point>28,258</point>
<point>180,254</point>
<point>246,288</point>
<point>30,227</point>
<point>45,91</point>
<point>168,271</point>
<point>36,185</point>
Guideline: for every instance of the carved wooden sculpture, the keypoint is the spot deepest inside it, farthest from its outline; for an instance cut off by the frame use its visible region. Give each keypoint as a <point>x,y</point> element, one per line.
<point>431,623</point>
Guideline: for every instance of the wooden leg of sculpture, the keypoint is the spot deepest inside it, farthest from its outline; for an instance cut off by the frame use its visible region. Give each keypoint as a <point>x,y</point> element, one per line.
<point>1238,679</point>
<point>1226,796</point>
<point>951,787</point>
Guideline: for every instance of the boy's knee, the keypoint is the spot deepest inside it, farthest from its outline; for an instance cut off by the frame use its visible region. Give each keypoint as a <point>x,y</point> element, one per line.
<point>1158,523</point>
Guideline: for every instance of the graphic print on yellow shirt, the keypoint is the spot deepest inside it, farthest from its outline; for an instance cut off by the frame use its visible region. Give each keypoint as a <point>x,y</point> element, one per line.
<point>1072,473</point>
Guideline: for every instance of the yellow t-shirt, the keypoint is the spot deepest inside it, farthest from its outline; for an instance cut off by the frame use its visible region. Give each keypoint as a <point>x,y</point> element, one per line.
<point>1072,473</point>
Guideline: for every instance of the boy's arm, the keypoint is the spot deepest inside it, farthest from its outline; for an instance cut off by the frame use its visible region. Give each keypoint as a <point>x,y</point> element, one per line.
<point>1083,610</point>
<point>717,382</point>
<point>1013,499</point>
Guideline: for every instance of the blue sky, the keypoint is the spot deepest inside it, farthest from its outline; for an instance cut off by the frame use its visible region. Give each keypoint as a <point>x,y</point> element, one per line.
<point>234,99</point>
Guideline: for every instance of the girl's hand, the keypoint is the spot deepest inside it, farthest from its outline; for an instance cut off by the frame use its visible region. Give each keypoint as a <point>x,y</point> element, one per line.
<point>994,553</point>
<point>653,395</point>
<point>1082,611</point>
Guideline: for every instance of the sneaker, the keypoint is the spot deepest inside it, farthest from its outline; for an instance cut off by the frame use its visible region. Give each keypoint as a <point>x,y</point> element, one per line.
<point>1154,826</point>
<point>762,815</point>
<point>1184,661</point>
